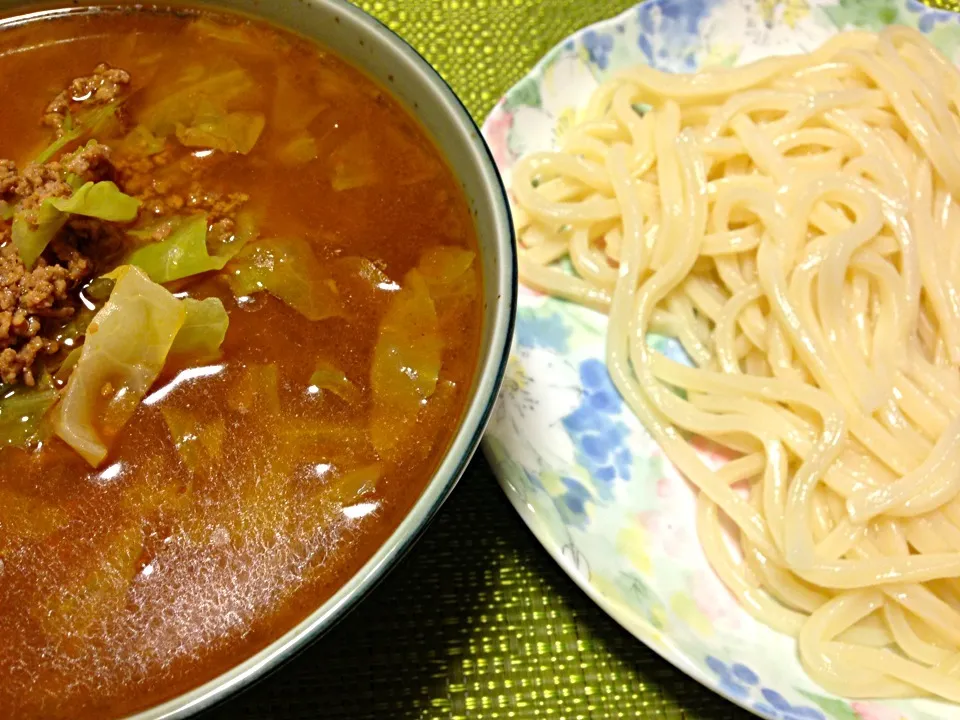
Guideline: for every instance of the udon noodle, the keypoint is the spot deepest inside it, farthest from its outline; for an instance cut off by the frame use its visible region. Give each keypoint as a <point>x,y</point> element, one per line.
<point>795,224</point>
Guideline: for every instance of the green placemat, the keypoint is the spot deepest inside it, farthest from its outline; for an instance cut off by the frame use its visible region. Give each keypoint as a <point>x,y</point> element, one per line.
<point>478,621</point>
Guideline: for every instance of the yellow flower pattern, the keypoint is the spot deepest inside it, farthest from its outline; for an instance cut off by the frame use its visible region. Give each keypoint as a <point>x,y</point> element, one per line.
<point>793,11</point>
<point>632,545</point>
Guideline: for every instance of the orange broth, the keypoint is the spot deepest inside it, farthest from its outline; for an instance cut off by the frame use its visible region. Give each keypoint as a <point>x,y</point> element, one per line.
<point>217,522</point>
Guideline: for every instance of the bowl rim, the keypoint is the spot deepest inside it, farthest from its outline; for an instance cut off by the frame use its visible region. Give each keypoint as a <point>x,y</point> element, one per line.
<point>487,379</point>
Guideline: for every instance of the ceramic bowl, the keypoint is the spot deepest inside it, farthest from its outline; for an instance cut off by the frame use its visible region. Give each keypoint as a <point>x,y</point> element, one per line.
<point>370,46</point>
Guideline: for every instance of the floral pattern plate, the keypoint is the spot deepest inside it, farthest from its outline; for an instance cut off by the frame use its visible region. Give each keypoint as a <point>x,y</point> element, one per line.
<point>574,461</point>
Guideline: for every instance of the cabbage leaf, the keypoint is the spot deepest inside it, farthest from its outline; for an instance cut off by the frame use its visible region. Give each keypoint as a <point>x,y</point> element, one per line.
<point>258,388</point>
<point>24,518</point>
<point>244,230</point>
<point>62,374</point>
<point>351,486</point>
<point>71,615</point>
<point>74,129</point>
<point>183,253</point>
<point>354,163</point>
<point>188,248</point>
<point>448,272</point>
<point>196,88</point>
<point>31,235</point>
<point>293,108</point>
<point>332,379</point>
<point>34,229</point>
<point>298,150</point>
<point>288,270</point>
<point>22,410</point>
<point>196,108</point>
<point>235,132</point>
<point>443,268</point>
<point>406,362</point>
<point>199,442</point>
<point>142,142</point>
<point>242,37</point>
<point>125,348</point>
<point>204,328</point>
<point>102,200</point>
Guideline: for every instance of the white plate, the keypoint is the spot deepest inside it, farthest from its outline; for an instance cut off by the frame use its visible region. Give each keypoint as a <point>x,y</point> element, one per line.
<point>574,461</point>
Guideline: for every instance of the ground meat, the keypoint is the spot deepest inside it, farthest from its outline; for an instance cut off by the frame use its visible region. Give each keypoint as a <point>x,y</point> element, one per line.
<point>102,87</point>
<point>39,182</point>
<point>109,240</point>
<point>218,205</point>
<point>36,183</point>
<point>28,297</point>
<point>170,188</point>
<point>35,302</point>
<point>9,177</point>
<point>222,231</point>
<point>91,162</point>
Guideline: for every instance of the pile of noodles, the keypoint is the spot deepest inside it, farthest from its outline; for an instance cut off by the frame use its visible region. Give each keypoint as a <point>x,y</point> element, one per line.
<point>795,223</point>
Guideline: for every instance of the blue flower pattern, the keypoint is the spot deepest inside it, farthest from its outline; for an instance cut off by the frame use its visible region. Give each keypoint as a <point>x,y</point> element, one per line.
<point>598,47</point>
<point>928,16</point>
<point>669,30</point>
<point>598,434</point>
<point>575,497</point>
<point>743,684</point>
<point>535,329</point>
<point>571,503</point>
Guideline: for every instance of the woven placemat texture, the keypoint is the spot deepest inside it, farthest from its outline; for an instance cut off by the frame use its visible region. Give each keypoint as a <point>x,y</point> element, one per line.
<point>478,622</point>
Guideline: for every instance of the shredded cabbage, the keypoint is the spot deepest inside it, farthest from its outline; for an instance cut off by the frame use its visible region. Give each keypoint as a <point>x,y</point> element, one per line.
<point>406,362</point>
<point>125,348</point>
<point>288,270</point>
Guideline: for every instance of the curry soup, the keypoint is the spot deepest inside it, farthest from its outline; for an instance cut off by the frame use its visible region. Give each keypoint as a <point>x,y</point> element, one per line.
<point>239,316</point>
